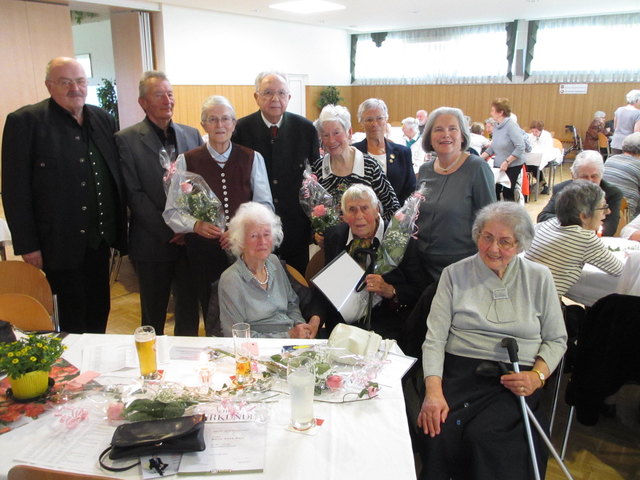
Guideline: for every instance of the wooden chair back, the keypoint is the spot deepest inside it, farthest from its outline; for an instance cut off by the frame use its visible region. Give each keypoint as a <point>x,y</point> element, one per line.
<point>316,263</point>
<point>24,312</point>
<point>22,277</point>
<point>29,472</point>
<point>297,275</point>
<point>624,216</point>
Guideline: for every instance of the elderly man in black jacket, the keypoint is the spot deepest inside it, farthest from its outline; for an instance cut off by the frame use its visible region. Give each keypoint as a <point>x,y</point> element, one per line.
<point>286,141</point>
<point>588,165</point>
<point>64,196</point>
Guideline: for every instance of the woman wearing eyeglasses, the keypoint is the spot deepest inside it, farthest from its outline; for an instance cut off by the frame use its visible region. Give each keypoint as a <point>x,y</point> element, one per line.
<point>565,243</point>
<point>471,415</point>
<point>236,175</point>
<point>395,160</point>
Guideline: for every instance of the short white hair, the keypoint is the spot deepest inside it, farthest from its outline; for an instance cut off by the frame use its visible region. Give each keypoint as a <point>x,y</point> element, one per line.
<point>253,212</point>
<point>214,100</point>
<point>371,103</point>
<point>334,113</point>
<point>584,158</point>
<point>266,73</point>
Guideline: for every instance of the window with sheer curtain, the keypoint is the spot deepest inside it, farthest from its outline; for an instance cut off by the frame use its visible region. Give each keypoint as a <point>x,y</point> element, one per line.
<point>587,49</point>
<point>472,54</point>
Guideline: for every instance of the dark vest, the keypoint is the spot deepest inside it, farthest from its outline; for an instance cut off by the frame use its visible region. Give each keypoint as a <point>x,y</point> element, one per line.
<point>231,184</point>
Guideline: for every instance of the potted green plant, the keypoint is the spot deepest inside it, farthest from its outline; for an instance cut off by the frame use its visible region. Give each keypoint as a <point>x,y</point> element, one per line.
<point>329,96</point>
<point>108,98</point>
<point>27,362</point>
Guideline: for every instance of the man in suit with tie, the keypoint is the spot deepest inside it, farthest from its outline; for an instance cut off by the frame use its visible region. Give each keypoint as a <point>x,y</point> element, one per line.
<point>286,141</point>
<point>159,255</point>
<point>64,196</point>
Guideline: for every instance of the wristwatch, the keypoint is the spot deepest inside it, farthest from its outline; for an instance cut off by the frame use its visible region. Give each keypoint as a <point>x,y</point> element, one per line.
<point>540,376</point>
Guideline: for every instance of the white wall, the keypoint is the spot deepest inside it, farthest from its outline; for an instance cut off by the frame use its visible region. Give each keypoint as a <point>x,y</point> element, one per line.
<point>95,38</point>
<point>204,47</point>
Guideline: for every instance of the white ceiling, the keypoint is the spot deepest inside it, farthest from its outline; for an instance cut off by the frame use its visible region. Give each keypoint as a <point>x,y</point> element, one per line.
<point>373,16</point>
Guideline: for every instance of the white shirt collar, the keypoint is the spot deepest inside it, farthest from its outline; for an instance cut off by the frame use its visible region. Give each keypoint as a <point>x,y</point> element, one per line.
<point>379,232</point>
<point>358,165</point>
<point>220,157</point>
<point>268,123</point>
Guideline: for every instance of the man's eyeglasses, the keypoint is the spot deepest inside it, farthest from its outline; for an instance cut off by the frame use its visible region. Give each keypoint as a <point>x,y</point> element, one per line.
<point>67,82</point>
<point>504,243</point>
<point>604,207</point>
<point>281,94</point>
<point>225,120</point>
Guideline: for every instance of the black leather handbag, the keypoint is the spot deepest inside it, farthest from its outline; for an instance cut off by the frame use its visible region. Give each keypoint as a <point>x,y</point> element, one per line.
<point>154,437</point>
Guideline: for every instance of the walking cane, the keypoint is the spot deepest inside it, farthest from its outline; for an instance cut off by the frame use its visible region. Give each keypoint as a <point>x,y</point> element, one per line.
<point>512,347</point>
<point>370,261</point>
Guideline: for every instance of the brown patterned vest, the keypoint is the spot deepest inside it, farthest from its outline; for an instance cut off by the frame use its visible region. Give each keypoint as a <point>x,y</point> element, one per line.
<point>231,184</point>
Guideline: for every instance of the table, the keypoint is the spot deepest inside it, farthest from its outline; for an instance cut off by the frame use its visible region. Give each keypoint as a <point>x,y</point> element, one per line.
<point>368,439</point>
<point>595,284</point>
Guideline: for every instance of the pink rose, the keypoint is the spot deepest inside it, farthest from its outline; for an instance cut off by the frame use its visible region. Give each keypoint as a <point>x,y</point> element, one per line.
<point>399,216</point>
<point>334,382</point>
<point>372,391</point>
<point>115,411</point>
<point>186,187</point>
<point>319,211</point>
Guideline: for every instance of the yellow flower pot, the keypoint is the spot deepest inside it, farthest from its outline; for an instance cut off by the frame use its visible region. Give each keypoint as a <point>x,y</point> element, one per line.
<point>29,385</point>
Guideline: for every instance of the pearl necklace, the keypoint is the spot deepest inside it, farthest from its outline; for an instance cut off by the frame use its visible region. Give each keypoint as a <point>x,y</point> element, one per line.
<point>266,271</point>
<point>450,167</point>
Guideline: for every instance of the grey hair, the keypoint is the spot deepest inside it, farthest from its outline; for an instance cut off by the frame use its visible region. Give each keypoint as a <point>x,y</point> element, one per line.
<point>411,122</point>
<point>213,101</point>
<point>599,114</point>
<point>456,112</point>
<point>511,215</point>
<point>266,73</point>
<point>334,113</point>
<point>253,212</point>
<point>579,197</point>
<point>633,97</point>
<point>146,76</point>
<point>477,128</point>
<point>371,103</point>
<point>631,144</point>
<point>359,191</point>
<point>584,158</point>
<point>490,121</point>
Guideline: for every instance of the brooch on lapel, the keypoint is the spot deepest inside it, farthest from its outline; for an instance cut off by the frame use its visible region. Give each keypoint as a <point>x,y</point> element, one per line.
<point>392,157</point>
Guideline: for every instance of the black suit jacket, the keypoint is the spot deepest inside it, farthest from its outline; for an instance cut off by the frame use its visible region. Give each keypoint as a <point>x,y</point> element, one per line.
<point>399,168</point>
<point>612,195</point>
<point>139,148</point>
<point>42,181</point>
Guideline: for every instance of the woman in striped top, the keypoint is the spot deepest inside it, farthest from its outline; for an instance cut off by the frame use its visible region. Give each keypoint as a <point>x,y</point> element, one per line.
<point>623,171</point>
<point>567,242</point>
<point>343,165</point>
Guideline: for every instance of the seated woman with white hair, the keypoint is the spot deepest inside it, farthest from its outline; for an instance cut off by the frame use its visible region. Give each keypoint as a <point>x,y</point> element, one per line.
<point>255,289</point>
<point>344,165</point>
<point>595,127</point>
<point>566,243</point>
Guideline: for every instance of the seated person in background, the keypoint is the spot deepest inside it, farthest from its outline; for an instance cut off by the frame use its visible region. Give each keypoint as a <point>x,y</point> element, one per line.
<point>344,165</point>
<point>412,139</point>
<point>255,289</point>
<point>364,228</point>
<point>623,171</point>
<point>469,421</point>
<point>566,243</point>
<point>477,141</point>
<point>588,165</point>
<point>541,142</point>
<point>596,126</point>
<point>631,230</point>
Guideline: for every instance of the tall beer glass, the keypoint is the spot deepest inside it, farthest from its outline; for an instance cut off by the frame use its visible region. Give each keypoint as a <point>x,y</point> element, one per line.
<point>146,346</point>
<point>242,348</point>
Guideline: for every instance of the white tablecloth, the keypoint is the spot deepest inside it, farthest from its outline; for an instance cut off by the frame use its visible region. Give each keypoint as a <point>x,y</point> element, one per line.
<point>595,284</point>
<point>368,439</point>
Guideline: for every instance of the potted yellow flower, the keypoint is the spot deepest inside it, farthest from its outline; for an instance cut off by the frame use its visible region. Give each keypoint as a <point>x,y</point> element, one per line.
<point>27,363</point>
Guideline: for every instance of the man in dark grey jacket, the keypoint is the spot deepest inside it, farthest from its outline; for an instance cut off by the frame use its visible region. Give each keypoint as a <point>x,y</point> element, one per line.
<point>158,253</point>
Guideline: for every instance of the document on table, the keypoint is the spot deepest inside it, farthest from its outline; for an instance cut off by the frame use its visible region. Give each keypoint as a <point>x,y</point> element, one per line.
<point>338,282</point>
<point>231,447</point>
<point>111,358</point>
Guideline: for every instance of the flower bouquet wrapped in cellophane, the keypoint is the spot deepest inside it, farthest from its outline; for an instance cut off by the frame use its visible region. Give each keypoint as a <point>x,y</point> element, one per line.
<point>317,203</point>
<point>190,199</point>
<point>396,238</point>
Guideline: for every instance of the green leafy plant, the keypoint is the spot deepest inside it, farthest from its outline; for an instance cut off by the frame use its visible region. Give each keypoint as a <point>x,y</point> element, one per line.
<point>30,354</point>
<point>108,98</point>
<point>329,96</point>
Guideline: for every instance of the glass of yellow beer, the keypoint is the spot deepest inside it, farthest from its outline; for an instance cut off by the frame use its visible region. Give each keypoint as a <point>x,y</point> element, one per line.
<point>242,348</point>
<point>146,346</point>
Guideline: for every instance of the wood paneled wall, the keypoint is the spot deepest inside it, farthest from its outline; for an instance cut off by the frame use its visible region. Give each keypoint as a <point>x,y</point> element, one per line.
<point>529,102</point>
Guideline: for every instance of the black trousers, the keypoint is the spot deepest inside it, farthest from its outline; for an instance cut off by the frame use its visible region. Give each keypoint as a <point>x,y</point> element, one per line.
<point>156,280</point>
<point>83,293</point>
<point>509,193</point>
<point>483,437</point>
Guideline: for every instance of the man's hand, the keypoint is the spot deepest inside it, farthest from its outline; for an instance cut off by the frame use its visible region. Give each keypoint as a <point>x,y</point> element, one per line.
<point>178,239</point>
<point>34,258</point>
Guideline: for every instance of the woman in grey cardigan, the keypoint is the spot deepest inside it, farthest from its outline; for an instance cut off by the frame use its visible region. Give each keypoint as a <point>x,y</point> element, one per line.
<point>507,146</point>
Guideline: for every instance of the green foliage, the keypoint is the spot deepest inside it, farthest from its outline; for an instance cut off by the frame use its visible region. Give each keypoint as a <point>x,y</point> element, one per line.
<point>329,96</point>
<point>147,409</point>
<point>30,354</point>
<point>108,98</point>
